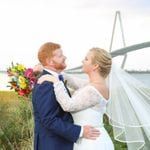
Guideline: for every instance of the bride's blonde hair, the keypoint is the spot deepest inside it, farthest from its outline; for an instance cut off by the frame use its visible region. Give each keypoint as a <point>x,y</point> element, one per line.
<point>103,59</point>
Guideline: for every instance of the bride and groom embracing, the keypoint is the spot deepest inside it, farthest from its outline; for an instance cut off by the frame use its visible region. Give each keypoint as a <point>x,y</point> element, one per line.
<point>75,122</point>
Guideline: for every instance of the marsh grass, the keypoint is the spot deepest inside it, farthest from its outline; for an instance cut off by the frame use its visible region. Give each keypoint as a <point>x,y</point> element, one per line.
<point>16,122</point>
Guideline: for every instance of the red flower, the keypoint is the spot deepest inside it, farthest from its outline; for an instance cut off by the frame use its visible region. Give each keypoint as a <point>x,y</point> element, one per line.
<point>28,73</point>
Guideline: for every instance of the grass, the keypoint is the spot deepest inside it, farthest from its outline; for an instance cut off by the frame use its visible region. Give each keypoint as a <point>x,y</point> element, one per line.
<point>16,123</point>
<point>8,96</point>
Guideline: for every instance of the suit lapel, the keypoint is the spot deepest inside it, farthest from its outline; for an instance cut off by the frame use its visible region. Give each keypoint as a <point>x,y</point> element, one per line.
<point>67,89</point>
<point>46,72</point>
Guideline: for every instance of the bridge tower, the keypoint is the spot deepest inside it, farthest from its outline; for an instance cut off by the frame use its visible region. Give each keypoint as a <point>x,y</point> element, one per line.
<point>118,16</point>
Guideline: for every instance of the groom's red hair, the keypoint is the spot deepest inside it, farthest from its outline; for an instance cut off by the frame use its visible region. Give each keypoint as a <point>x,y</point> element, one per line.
<point>46,51</point>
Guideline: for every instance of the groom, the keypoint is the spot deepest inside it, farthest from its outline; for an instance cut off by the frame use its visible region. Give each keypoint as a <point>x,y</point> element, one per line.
<point>54,128</point>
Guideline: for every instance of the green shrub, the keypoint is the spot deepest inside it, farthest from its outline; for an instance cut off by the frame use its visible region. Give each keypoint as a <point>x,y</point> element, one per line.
<point>118,145</point>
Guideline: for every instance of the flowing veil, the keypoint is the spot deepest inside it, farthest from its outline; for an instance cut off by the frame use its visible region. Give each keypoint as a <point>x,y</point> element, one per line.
<point>129,109</point>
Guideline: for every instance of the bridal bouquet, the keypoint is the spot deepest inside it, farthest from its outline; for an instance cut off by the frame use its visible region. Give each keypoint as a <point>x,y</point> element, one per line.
<point>22,79</point>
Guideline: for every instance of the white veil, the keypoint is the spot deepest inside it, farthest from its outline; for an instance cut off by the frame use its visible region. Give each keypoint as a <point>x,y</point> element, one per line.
<point>129,109</point>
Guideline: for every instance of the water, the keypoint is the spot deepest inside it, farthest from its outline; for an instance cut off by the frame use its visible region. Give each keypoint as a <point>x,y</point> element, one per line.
<point>4,81</point>
<point>143,77</point>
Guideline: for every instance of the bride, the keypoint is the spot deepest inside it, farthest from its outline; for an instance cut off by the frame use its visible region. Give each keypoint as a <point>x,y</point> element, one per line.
<point>95,97</point>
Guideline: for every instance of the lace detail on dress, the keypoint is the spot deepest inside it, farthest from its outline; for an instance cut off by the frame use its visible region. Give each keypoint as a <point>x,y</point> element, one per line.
<point>83,98</point>
<point>74,82</point>
<point>102,105</point>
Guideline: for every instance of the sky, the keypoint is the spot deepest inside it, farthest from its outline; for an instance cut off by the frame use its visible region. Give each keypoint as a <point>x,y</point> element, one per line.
<point>77,25</point>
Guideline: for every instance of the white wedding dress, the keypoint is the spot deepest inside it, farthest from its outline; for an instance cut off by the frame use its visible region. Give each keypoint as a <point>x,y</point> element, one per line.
<point>87,107</point>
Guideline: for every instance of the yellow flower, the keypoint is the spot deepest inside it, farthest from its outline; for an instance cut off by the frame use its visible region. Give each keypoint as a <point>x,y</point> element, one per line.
<point>22,82</point>
<point>23,85</point>
<point>20,67</point>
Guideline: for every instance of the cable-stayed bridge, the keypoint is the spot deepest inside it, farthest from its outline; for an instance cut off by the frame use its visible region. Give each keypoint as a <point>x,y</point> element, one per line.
<point>122,51</point>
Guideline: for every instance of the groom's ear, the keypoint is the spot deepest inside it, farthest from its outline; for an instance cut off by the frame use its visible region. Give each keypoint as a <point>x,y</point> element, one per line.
<point>49,62</point>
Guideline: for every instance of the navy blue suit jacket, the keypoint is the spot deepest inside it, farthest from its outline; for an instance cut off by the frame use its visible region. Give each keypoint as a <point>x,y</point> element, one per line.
<point>54,128</point>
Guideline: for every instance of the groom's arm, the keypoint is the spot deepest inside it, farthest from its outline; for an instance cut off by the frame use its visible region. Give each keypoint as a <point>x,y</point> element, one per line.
<point>47,107</point>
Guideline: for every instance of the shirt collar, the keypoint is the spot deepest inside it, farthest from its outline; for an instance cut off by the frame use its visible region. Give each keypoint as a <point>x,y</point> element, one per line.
<point>55,74</point>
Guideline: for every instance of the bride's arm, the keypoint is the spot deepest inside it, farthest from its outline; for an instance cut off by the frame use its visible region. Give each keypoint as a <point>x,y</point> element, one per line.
<point>82,99</point>
<point>74,82</point>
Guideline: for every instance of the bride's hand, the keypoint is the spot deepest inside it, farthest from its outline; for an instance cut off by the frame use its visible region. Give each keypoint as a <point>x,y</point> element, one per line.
<point>47,77</point>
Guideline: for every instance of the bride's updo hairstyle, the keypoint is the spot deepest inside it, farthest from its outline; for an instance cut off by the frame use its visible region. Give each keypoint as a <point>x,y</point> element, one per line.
<point>103,59</point>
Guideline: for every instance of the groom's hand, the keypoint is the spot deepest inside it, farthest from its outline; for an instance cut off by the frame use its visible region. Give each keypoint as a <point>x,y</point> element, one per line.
<point>90,132</point>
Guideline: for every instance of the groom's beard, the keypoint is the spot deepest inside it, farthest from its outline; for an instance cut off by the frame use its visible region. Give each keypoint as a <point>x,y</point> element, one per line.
<point>59,66</point>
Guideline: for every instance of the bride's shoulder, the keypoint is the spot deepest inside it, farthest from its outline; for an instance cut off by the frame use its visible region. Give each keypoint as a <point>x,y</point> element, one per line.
<point>100,91</point>
<point>89,88</point>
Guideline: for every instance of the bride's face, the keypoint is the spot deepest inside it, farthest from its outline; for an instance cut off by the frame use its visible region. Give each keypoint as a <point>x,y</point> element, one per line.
<point>87,62</point>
